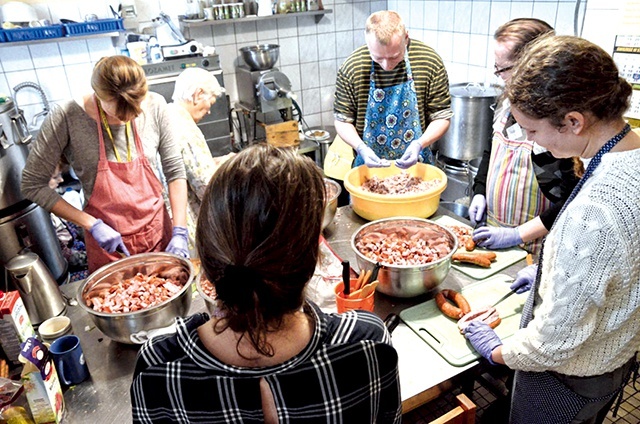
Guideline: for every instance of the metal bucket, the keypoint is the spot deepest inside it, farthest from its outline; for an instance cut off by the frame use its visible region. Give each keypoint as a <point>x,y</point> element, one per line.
<point>471,126</point>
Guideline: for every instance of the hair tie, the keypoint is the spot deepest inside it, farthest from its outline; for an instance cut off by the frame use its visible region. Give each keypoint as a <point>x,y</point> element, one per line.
<point>237,285</point>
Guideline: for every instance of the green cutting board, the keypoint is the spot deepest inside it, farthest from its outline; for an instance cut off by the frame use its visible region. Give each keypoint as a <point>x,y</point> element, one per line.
<point>441,332</point>
<point>504,257</point>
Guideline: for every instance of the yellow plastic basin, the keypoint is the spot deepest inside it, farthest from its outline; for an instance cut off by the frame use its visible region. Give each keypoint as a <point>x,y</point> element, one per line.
<point>374,206</point>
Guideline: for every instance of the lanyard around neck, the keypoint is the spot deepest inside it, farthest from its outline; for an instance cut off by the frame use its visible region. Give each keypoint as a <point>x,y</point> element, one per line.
<point>105,124</point>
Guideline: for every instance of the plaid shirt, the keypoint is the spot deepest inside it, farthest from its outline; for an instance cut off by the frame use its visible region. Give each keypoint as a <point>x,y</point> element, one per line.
<point>348,373</point>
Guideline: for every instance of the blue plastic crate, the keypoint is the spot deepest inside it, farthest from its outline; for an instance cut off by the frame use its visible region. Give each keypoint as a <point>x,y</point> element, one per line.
<point>3,38</point>
<point>94,27</point>
<point>36,33</point>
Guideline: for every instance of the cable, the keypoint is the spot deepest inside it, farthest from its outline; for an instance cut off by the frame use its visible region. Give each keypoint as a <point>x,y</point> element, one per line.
<point>305,126</point>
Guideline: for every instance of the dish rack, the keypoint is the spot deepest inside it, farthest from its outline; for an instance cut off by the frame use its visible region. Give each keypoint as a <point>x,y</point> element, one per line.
<point>93,27</point>
<point>36,33</point>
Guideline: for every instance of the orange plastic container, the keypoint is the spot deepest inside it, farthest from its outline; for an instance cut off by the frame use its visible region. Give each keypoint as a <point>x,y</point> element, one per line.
<point>374,206</point>
<point>344,304</point>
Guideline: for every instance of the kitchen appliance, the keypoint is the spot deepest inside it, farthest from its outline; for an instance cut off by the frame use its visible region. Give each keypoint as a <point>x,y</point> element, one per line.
<point>37,287</point>
<point>120,327</point>
<point>472,123</point>
<point>264,92</point>
<point>406,280</point>
<point>24,226</point>
<point>188,48</point>
<point>215,126</point>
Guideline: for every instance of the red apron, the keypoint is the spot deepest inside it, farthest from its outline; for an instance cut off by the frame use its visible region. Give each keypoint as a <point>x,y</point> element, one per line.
<point>127,196</point>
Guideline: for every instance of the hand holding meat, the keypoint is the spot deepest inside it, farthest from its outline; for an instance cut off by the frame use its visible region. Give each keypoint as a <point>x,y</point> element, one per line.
<point>477,209</point>
<point>179,244</point>
<point>108,238</point>
<point>524,279</point>
<point>497,237</point>
<point>483,339</point>
<point>410,156</point>
<point>370,158</point>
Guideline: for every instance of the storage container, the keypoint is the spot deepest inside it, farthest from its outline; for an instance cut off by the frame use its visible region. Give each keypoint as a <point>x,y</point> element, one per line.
<point>35,33</point>
<point>94,27</point>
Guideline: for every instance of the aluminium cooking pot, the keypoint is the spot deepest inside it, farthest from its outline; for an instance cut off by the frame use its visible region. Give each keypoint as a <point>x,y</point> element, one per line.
<point>472,122</point>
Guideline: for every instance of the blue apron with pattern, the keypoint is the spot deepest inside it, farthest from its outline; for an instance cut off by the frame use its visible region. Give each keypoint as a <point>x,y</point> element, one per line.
<point>541,397</point>
<point>392,120</point>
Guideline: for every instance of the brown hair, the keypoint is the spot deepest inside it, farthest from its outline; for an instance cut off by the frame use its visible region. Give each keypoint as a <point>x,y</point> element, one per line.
<point>560,74</point>
<point>521,31</point>
<point>384,25</point>
<point>122,79</point>
<point>257,237</point>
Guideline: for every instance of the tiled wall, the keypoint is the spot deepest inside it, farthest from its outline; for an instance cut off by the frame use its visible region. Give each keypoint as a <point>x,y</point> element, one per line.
<point>310,52</point>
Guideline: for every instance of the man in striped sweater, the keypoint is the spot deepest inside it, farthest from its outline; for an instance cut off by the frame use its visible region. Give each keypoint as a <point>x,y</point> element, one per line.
<point>392,96</point>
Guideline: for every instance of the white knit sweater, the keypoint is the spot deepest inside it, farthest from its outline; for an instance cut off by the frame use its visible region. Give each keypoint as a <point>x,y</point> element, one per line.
<point>587,319</point>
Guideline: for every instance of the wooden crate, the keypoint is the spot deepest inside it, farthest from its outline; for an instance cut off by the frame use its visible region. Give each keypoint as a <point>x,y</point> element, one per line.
<point>282,134</point>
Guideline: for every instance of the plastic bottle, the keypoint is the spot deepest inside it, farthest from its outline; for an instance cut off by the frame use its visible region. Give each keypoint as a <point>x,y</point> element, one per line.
<point>155,52</point>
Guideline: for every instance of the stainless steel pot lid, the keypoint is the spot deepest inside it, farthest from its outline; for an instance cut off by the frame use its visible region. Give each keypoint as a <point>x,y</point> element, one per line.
<point>474,89</point>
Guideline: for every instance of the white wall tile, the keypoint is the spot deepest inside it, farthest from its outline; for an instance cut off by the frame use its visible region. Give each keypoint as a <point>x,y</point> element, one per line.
<point>314,120</point>
<point>462,43</point>
<point>462,20</point>
<point>404,10</point>
<point>480,13</point>
<point>289,51</point>
<point>430,13</point>
<point>377,6</point>
<point>445,45</point>
<point>327,118</point>
<point>416,19</point>
<point>310,75</point>
<point>521,9</point>
<point>327,97</point>
<point>602,19</point>
<point>327,23</point>
<point>100,47</point>
<point>478,50</point>
<point>15,78</point>
<point>500,13</point>
<point>344,17</point>
<point>328,71</point>
<point>327,46</point>
<point>344,43</point>
<point>446,15</point>
<point>229,58</point>
<point>311,101</point>
<point>203,34</point>
<point>224,35</point>
<point>361,12</point>
<point>564,22</point>
<point>308,48</point>
<point>246,33</point>
<point>546,11</point>
<point>307,25</point>
<point>287,27</point>
<point>5,90</point>
<point>79,77</point>
<point>54,82</point>
<point>45,55</point>
<point>16,58</point>
<point>73,52</point>
<point>358,38</point>
<point>230,84</point>
<point>430,38</point>
<point>267,29</point>
<point>293,73</point>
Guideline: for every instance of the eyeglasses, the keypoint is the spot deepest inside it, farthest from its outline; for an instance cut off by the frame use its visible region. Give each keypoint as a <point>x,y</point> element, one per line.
<point>499,71</point>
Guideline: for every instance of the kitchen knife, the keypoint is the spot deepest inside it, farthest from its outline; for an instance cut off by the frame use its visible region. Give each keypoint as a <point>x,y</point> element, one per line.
<point>346,277</point>
<point>503,298</point>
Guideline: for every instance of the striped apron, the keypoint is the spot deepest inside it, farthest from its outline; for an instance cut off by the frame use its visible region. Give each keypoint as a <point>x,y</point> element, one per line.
<point>513,195</point>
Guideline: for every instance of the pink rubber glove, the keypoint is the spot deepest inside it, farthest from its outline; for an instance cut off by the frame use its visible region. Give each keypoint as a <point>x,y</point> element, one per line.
<point>108,238</point>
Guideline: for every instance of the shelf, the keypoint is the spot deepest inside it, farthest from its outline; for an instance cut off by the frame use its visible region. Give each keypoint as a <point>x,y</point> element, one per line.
<point>61,39</point>
<point>317,14</point>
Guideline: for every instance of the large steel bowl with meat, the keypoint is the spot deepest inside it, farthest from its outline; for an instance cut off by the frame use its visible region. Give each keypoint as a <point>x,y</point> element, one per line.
<point>374,206</point>
<point>414,254</point>
<point>120,326</point>
<point>332,191</point>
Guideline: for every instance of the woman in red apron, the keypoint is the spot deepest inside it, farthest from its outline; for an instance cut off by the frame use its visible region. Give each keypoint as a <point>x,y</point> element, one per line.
<point>124,213</point>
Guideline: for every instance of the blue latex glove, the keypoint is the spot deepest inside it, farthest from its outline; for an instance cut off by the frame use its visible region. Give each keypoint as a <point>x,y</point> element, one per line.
<point>108,238</point>
<point>410,156</point>
<point>370,158</point>
<point>179,244</point>
<point>497,237</point>
<point>524,279</point>
<point>477,209</point>
<point>483,339</point>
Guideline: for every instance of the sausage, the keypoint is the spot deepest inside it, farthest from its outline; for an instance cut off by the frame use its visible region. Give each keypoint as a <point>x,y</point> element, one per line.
<point>472,258</point>
<point>469,245</point>
<point>456,310</point>
<point>488,315</point>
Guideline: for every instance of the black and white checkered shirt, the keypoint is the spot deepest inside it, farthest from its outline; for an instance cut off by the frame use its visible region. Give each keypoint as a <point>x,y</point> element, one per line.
<point>348,373</point>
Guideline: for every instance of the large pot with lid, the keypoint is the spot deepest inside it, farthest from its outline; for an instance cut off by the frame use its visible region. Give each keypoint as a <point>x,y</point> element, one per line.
<point>472,123</point>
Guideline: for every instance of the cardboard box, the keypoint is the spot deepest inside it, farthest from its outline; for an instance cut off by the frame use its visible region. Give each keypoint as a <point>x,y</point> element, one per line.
<point>15,326</point>
<point>283,134</point>
<point>41,383</point>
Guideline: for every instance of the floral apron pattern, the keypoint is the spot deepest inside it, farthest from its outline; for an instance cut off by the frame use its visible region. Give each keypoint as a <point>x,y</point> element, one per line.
<point>392,120</point>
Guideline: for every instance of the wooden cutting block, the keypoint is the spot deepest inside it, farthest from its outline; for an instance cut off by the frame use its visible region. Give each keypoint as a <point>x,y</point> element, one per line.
<point>282,134</point>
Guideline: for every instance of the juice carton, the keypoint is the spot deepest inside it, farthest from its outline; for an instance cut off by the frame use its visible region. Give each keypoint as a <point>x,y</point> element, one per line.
<point>15,326</point>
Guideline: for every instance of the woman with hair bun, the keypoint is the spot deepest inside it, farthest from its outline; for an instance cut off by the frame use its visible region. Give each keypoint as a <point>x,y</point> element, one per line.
<point>268,355</point>
<point>579,331</point>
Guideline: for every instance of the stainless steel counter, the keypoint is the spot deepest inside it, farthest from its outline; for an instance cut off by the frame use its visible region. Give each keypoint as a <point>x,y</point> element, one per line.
<point>104,398</point>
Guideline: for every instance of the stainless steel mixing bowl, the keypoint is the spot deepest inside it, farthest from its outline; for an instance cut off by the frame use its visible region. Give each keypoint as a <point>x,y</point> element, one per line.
<point>333,190</point>
<point>261,56</point>
<point>120,327</point>
<point>406,280</point>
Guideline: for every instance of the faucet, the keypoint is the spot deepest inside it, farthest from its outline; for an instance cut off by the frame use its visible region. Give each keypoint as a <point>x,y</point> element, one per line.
<point>29,84</point>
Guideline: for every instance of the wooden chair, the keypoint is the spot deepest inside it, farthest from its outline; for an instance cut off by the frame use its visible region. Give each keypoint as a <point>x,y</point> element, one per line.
<point>464,413</point>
